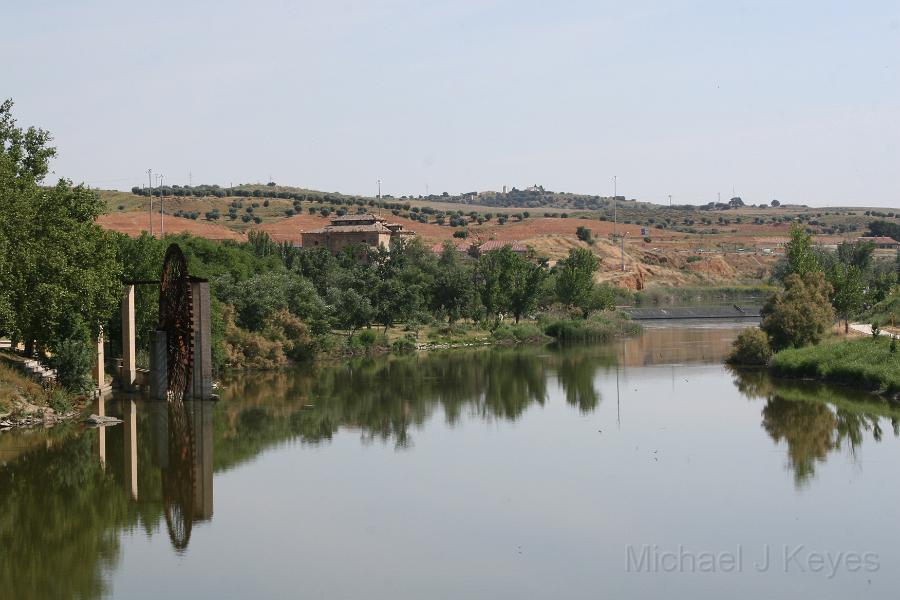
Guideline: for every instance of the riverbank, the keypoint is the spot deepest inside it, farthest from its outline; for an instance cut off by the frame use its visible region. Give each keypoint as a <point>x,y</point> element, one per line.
<point>598,327</point>
<point>26,403</point>
<point>866,363</point>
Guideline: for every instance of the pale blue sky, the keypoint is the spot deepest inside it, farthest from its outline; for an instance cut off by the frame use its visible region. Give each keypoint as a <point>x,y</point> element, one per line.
<point>798,101</point>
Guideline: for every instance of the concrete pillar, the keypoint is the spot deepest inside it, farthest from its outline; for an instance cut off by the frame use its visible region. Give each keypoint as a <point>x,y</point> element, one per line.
<point>202,427</point>
<point>99,408</point>
<point>129,341</point>
<point>159,367</point>
<point>98,375</point>
<point>129,418</point>
<point>201,376</point>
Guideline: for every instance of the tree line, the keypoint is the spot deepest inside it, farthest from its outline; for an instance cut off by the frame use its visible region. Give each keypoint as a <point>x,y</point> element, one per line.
<point>819,286</point>
<point>275,302</point>
<point>60,277</point>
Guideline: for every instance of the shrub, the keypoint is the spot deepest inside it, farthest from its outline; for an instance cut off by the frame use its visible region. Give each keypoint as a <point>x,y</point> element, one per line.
<point>751,348</point>
<point>584,234</point>
<point>403,345</point>
<point>60,402</point>
<point>598,328</point>
<point>73,361</point>
<point>517,333</point>
<point>801,314</point>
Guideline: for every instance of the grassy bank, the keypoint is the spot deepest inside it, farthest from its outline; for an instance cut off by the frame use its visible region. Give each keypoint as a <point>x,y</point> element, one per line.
<point>21,396</point>
<point>864,362</point>
<point>599,327</point>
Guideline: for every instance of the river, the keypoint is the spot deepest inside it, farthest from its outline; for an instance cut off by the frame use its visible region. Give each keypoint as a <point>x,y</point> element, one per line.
<point>639,469</point>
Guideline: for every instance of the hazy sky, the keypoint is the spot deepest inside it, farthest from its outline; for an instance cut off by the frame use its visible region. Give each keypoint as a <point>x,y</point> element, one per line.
<point>797,100</point>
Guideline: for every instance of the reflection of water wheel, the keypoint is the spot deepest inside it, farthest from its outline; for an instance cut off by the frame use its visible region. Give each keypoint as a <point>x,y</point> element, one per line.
<point>176,319</point>
<point>178,476</point>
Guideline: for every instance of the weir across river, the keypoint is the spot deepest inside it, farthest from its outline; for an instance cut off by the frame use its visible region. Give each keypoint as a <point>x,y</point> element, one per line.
<point>735,311</point>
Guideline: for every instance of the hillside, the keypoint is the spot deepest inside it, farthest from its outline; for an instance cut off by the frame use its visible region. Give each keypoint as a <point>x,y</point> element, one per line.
<point>679,245</point>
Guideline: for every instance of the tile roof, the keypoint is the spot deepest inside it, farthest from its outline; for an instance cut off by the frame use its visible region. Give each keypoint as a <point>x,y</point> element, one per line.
<point>372,227</point>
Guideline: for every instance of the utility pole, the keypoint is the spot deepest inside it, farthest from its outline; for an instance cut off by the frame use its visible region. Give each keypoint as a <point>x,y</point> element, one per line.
<point>150,188</point>
<point>615,206</point>
<point>190,179</point>
<point>162,229</point>
<point>379,188</point>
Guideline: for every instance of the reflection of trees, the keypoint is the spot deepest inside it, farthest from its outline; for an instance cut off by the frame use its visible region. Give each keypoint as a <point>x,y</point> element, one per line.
<point>576,375</point>
<point>62,512</point>
<point>815,419</point>
<point>59,519</point>
<point>808,430</point>
<point>385,398</point>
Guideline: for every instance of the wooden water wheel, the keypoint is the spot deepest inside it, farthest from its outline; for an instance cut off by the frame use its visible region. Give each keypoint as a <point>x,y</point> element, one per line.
<point>176,319</point>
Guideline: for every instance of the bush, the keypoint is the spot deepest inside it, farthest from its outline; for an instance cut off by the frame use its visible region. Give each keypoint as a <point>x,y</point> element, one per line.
<point>403,345</point>
<point>801,314</point>
<point>751,348</point>
<point>584,234</point>
<point>73,361</point>
<point>60,402</point>
<point>598,328</point>
<point>517,333</point>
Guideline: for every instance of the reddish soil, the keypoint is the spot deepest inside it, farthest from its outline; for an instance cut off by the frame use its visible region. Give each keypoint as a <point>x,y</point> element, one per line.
<point>133,223</point>
<point>289,228</point>
<point>532,228</point>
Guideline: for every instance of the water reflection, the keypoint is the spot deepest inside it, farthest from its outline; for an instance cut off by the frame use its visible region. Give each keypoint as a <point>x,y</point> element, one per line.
<point>815,420</point>
<point>385,398</point>
<point>67,495</point>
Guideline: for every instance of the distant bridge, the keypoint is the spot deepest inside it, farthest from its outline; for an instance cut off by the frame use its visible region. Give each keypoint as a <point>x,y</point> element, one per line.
<point>734,311</point>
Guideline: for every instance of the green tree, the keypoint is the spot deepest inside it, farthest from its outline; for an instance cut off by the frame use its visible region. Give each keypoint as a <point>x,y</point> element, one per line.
<point>801,313</point>
<point>575,278</point>
<point>857,254</point>
<point>350,309</point>
<point>584,234</point>
<point>799,256</point>
<point>453,291</point>
<point>848,291</point>
<point>525,279</point>
<point>59,265</point>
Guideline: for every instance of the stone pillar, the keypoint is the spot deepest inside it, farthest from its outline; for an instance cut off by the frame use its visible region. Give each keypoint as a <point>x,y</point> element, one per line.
<point>201,376</point>
<point>99,408</point>
<point>159,367</point>
<point>129,343</point>
<point>129,416</point>
<point>202,427</point>
<point>98,375</point>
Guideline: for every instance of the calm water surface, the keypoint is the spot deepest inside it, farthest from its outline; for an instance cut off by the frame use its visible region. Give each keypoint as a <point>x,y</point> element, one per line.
<point>641,469</point>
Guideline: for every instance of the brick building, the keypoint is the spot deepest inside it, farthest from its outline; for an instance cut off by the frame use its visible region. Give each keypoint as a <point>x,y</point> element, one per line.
<point>348,230</point>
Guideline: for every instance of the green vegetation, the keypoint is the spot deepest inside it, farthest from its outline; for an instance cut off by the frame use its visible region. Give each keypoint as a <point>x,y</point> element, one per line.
<point>275,303</point>
<point>867,363</point>
<point>59,277</point>
<point>751,348</point>
<point>598,328</point>
<point>18,391</point>
<point>801,314</point>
